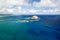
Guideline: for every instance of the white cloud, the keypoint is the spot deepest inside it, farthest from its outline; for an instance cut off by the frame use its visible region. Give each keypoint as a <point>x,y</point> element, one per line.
<point>44,3</point>
<point>7,3</point>
<point>8,7</point>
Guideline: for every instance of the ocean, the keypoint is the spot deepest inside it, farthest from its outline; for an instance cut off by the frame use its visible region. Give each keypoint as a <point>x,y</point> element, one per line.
<point>46,28</point>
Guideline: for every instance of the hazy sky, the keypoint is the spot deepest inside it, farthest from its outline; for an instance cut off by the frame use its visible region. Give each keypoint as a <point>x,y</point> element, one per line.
<point>17,7</point>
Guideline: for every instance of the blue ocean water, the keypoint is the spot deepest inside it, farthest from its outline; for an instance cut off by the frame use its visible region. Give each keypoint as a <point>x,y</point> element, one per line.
<point>47,28</point>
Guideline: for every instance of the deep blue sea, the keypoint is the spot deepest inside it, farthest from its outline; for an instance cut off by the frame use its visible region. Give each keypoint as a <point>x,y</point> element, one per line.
<point>47,28</point>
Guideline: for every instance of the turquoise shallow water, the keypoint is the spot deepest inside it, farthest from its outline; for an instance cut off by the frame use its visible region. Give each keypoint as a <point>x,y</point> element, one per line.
<point>36,30</point>
<point>10,30</point>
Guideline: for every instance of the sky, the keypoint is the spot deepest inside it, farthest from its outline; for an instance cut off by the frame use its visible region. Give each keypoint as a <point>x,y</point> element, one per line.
<point>29,7</point>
